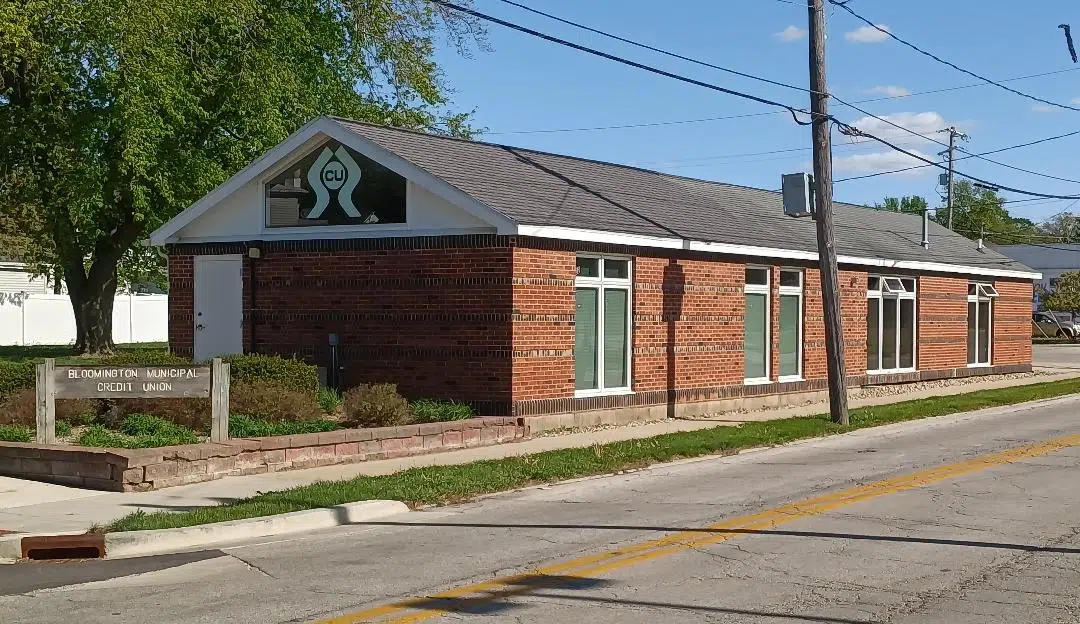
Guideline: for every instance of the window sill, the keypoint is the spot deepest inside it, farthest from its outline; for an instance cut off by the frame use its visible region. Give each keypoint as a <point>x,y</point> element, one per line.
<point>790,379</point>
<point>764,381</point>
<point>981,365</point>
<point>891,371</point>
<point>586,394</point>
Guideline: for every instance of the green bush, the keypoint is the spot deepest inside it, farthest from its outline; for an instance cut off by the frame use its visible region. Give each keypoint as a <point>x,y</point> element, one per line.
<point>15,376</point>
<point>192,414</point>
<point>377,405</point>
<point>63,428</point>
<point>329,400</point>
<point>244,426</point>
<point>138,431</point>
<point>16,433</point>
<point>133,357</point>
<point>431,410</point>
<point>271,369</point>
<point>269,401</point>
<point>20,408</point>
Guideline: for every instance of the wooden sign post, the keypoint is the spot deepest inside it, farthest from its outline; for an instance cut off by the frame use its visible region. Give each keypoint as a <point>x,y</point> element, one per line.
<point>131,382</point>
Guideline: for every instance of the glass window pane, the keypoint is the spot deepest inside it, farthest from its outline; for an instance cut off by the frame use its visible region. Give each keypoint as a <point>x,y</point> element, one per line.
<point>873,318</point>
<point>757,276</point>
<point>888,333</point>
<point>984,332</point>
<point>789,335</point>
<point>755,335</point>
<point>616,269</point>
<point>615,311</point>
<point>893,285</point>
<point>972,321</point>
<point>987,290</point>
<point>907,333</point>
<point>791,278</point>
<point>873,283</point>
<point>585,334</point>
<point>909,285</point>
<point>588,267</point>
<point>972,289</point>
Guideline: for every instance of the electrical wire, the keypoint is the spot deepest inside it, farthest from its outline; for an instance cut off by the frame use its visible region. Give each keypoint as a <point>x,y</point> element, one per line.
<point>843,4</point>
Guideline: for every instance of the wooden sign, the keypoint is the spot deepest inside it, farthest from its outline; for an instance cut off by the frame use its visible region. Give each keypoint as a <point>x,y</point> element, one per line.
<point>130,382</point>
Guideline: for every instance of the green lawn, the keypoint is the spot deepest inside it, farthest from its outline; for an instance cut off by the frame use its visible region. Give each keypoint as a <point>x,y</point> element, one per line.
<point>448,484</point>
<point>40,352</point>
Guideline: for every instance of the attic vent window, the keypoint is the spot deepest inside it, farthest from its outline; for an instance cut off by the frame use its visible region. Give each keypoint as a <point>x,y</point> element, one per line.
<point>334,185</point>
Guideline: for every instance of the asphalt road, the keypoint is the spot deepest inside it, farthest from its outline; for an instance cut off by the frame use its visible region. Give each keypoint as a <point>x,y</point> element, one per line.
<point>966,519</point>
<point>1056,356</point>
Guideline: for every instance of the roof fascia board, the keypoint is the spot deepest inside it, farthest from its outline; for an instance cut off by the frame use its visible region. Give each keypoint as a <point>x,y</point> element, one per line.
<point>299,234</point>
<point>616,238</point>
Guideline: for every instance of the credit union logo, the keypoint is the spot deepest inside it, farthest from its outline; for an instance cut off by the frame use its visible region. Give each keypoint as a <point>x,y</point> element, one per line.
<point>334,172</point>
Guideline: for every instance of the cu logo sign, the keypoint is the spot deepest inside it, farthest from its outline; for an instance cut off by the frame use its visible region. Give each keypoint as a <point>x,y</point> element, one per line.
<point>334,171</point>
<point>333,175</point>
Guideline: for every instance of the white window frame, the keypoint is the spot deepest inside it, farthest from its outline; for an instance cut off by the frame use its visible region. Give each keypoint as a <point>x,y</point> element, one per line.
<point>760,289</point>
<point>985,293</point>
<point>877,297</point>
<point>794,291</point>
<point>601,283</point>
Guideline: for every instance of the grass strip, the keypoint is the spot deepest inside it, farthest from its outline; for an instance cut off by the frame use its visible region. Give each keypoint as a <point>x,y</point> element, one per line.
<point>449,484</point>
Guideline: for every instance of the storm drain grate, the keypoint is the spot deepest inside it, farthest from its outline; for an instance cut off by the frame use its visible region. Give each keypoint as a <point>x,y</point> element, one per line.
<point>86,546</point>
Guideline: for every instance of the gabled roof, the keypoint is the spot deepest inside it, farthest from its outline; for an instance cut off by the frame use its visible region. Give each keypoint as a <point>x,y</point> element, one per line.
<point>1044,257</point>
<point>542,194</point>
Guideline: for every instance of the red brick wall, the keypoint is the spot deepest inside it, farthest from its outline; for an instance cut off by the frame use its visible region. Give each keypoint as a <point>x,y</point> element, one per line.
<point>1012,323</point>
<point>543,328</point>
<point>852,319</point>
<point>688,323</point>
<point>181,304</point>
<point>942,309</point>
<point>435,321</point>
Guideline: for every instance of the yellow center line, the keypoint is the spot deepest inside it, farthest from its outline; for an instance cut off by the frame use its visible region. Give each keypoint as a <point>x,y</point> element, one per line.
<point>582,567</point>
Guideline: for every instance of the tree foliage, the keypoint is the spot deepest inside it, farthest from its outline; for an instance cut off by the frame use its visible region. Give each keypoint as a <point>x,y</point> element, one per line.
<point>1066,295</point>
<point>115,115</point>
<point>912,204</point>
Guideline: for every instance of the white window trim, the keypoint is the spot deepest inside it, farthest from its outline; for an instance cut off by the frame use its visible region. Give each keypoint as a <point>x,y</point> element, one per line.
<point>795,291</point>
<point>877,296</point>
<point>601,283</point>
<point>760,289</point>
<point>981,298</point>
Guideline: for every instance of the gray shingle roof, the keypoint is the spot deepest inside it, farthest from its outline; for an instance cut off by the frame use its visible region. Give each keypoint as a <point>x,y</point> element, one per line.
<point>539,188</point>
<point>1044,257</point>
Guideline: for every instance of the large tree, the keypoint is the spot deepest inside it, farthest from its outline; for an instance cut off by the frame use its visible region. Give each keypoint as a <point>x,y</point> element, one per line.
<point>912,204</point>
<point>117,114</point>
<point>980,212</point>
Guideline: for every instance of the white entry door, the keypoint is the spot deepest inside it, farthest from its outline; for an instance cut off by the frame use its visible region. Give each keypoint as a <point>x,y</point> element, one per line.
<point>219,306</point>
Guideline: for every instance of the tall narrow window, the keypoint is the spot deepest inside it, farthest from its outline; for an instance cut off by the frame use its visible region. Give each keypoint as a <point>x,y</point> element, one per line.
<point>791,306</point>
<point>602,325</point>
<point>757,324</point>
<point>890,324</point>
<point>980,333</point>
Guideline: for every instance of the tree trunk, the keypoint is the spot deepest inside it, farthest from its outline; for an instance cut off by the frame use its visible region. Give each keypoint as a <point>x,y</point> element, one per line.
<point>93,307</point>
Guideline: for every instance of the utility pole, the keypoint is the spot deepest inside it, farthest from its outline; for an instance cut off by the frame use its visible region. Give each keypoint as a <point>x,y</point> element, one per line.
<point>953,134</point>
<point>830,279</point>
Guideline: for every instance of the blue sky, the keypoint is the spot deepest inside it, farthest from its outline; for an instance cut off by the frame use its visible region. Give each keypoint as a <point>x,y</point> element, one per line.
<point>524,85</point>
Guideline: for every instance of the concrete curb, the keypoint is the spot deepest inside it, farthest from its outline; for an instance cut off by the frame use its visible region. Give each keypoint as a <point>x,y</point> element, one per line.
<point>126,544</point>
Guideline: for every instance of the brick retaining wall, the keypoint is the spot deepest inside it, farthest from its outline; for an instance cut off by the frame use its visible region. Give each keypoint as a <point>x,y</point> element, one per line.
<point>154,468</point>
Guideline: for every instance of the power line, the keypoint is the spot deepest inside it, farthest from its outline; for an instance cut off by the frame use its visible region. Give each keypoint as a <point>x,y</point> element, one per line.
<point>843,4</point>
<point>843,127</point>
<point>707,119</point>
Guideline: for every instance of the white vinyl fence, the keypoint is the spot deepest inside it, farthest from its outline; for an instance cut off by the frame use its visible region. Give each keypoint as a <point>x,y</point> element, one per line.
<point>33,319</point>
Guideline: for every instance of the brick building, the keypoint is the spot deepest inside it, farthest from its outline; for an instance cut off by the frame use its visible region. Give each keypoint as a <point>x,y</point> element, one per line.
<point>532,283</point>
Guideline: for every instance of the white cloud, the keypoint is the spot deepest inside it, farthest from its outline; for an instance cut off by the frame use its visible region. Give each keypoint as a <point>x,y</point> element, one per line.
<point>926,123</point>
<point>1075,100</point>
<point>791,33</point>
<point>877,162</point>
<point>1046,108</point>
<point>890,91</point>
<point>867,34</point>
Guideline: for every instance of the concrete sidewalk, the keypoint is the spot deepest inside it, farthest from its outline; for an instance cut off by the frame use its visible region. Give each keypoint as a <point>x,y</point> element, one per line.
<point>31,507</point>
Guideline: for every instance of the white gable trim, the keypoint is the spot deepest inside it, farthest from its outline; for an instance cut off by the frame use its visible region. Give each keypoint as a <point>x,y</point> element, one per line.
<point>286,151</point>
<point>599,236</point>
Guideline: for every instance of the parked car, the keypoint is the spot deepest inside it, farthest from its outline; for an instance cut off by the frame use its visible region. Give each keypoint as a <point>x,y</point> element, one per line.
<point>1054,325</point>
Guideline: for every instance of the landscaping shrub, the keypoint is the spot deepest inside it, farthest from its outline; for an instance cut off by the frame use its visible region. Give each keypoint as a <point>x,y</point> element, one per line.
<point>377,405</point>
<point>132,357</point>
<point>15,376</point>
<point>192,414</point>
<point>431,410</point>
<point>329,400</point>
<point>244,426</point>
<point>138,431</point>
<point>63,428</point>
<point>271,369</point>
<point>21,409</point>
<point>16,433</point>
<point>270,401</point>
